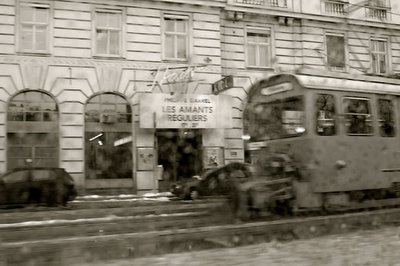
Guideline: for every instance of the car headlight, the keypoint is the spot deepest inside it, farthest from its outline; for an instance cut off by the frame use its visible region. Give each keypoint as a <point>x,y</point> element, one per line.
<point>173,187</point>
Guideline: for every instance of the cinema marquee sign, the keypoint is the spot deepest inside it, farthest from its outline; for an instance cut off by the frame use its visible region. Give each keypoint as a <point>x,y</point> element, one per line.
<point>185,111</point>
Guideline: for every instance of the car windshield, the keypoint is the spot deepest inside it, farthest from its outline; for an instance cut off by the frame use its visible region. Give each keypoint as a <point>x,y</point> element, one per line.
<point>276,119</point>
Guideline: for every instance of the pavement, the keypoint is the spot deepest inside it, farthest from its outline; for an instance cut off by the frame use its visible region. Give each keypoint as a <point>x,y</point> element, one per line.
<point>378,247</point>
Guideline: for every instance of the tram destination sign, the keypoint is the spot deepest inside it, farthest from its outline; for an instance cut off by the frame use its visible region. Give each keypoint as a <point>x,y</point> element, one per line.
<point>185,111</point>
<point>278,88</point>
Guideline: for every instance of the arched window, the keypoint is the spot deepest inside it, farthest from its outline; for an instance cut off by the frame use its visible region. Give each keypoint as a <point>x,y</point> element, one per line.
<point>108,137</point>
<point>32,130</point>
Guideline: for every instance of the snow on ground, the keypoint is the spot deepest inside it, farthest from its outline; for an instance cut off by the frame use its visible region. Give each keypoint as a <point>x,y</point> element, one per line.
<point>147,195</point>
<point>379,247</point>
<point>109,218</point>
<point>162,196</point>
<point>121,200</point>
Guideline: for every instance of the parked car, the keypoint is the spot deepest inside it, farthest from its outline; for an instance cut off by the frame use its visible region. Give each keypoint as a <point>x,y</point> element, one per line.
<point>49,185</point>
<point>217,181</point>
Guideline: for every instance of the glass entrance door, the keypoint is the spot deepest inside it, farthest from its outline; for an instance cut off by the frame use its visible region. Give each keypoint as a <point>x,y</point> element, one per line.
<point>180,154</point>
<point>108,141</point>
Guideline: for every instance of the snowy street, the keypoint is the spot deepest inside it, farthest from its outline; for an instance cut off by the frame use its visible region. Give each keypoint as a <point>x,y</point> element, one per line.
<point>377,247</point>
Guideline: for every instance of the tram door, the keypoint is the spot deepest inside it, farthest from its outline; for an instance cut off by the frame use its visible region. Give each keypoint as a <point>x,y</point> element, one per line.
<point>180,154</point>
<point>388,108</point>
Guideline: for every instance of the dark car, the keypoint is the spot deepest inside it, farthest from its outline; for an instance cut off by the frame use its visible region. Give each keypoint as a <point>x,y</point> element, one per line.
<point>49,185</point>
<point>217,181</point>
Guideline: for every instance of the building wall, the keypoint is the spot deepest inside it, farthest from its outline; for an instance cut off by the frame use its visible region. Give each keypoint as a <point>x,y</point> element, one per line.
<point>298,36</point>
<point>298,42</point>
<point>72,74</point>
<point>356,10</point>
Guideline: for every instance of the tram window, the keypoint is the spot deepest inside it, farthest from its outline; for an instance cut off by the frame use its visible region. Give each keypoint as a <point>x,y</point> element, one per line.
<point>358,117</point>
<point>386,118</point>
<point>325,115</point>
<point>278,119</point>
<point>292,116</point>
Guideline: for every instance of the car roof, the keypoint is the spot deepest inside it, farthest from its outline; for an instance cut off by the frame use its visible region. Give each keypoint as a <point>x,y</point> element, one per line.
<point>36,168</point>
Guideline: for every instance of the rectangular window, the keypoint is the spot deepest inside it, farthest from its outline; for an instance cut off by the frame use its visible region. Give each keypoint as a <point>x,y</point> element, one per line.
<point>386,118</point>
<point>34,27</point>
<point>108,33</point>
<point>358,116</point>
<point>335,52</point>
<point>379,62</point>
<point>258,44</point>
<point>325,115</point>
<point>39,148</point>
<point>176,37</point>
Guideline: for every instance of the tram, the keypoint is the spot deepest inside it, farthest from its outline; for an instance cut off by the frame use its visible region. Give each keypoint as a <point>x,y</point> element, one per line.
<point>323,142</point>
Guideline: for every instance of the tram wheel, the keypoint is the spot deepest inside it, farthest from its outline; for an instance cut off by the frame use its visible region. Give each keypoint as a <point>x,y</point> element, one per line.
<point>283,207</point>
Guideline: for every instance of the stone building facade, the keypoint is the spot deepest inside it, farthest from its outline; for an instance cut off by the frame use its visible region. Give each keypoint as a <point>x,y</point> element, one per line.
<point>123,94</point>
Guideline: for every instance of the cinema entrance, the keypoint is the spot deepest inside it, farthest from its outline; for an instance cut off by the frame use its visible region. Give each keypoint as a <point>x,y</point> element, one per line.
<point>179,151</point>
<point>188,136</point>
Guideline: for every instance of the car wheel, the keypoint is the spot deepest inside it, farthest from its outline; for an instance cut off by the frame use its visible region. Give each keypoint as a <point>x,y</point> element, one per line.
<point>194,194</point>
<point>51,195</point>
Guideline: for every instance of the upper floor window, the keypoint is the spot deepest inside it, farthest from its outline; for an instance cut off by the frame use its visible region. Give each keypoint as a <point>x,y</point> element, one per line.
<point>34,28</point>
<point>379,58</point>
<point>108,32</point>
<point>273,3</point>
<point>337,7</point>
<point>379,3</point>
<point>176,37</point>
<point>378,9</point>
<point>258,47</point>
<point>335,51</point>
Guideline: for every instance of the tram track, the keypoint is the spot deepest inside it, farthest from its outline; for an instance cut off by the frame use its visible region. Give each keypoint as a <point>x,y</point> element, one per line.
<point>194,232</point>
<point>22,227</point>
<point>29,231</point>
<point>81,211</point>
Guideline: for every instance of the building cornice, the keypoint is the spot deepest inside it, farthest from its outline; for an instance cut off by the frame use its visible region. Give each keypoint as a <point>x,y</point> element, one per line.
<point>87,62</point>
<point>282,12</point>
<point>208,3</point>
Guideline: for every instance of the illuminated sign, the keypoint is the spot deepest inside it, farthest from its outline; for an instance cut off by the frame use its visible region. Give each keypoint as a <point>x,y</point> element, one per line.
<point>175,75</point>
<point>222,85</point>
<point>185,111</point>
<point>252,146</point>
<point>122,141</point>
<point>281,87</point>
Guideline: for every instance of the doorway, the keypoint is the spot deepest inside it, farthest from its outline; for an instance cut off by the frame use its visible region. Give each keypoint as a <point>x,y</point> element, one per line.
<point>180,154</point>
<point>108,142</point>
